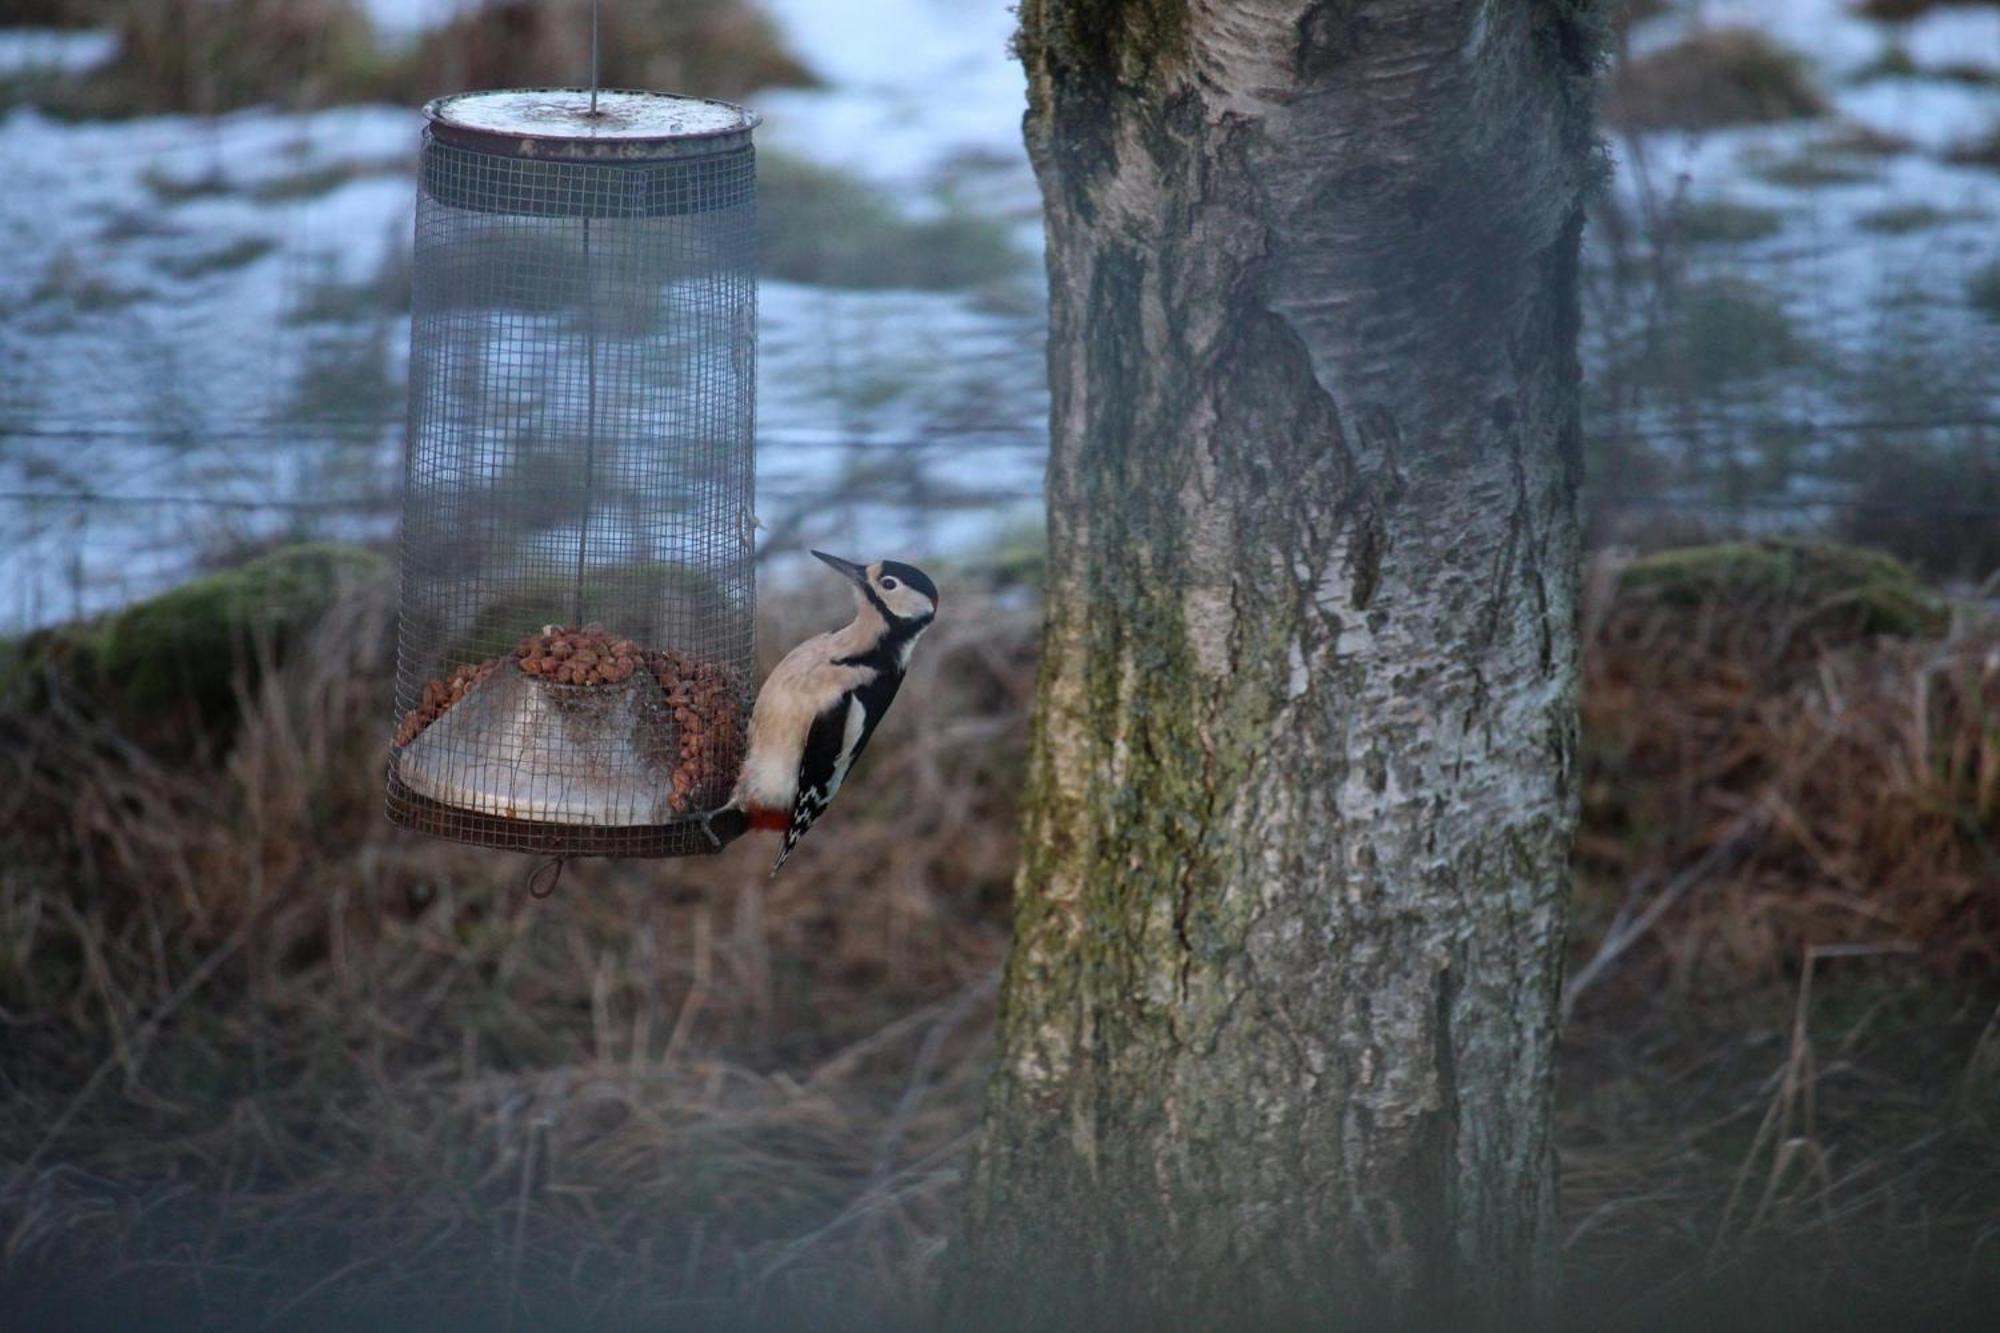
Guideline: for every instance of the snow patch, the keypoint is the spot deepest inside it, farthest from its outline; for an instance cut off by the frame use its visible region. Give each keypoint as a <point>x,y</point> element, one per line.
<point>54,50</point>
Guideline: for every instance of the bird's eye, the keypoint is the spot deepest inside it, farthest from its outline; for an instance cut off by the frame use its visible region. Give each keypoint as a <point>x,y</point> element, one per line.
<point>888,583</point>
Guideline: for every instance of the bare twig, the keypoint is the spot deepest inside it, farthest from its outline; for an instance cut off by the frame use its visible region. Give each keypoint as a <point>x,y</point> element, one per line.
<point>922,1067</point>
<point>1723,855</point>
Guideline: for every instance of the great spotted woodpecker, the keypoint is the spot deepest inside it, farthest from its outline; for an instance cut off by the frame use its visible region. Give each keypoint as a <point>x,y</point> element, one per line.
<point>823,701</point>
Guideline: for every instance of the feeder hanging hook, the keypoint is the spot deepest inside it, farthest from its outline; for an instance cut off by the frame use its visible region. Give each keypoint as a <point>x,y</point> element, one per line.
<point>553,868</point>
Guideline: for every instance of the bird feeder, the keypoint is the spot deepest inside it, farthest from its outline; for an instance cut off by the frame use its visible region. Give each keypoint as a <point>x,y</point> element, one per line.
<point>577,640</point>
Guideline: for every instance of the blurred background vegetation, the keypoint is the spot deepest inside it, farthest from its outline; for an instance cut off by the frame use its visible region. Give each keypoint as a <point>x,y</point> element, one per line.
<point>266,1059</point>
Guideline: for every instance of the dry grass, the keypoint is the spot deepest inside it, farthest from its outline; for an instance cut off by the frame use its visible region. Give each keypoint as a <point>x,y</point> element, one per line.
<point>1983,290</point>
<point>209,56</point>
<point>268,1060</point>
<point>257,1039</point>
<point>1932,504</point>
<point>1838,787</point>
<point>1778,1071</point>
<point>1980,151</point>
<point>1825,1156</point>
<point>1724,76</point>
<point>708,48</point>
<point>1896,11</point>
<point>52,13</point>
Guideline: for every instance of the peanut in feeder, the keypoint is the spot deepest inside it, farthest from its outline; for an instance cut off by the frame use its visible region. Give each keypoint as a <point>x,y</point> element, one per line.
<point>577,647</point>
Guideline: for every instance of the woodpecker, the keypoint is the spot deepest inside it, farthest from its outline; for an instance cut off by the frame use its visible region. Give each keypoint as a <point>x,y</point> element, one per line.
<point>823,701</point>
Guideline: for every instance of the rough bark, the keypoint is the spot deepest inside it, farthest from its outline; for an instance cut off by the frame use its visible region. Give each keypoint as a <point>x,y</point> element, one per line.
<point>1277,1029</point>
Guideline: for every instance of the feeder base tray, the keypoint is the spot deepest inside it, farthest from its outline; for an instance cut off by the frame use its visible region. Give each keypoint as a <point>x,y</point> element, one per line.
<point>521,748</point>
<point>683,837</point>
<point>524,763</point>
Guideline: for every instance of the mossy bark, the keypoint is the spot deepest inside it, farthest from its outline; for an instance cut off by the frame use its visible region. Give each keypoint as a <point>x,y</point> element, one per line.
<point>1278,1025</point>
<point>179,656</point>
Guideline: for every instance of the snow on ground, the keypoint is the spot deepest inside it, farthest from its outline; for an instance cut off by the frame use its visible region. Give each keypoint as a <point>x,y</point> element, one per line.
<point>1966,36</point>
<point>1860,289</point>
<point>912,85</point>
<point>1826,31</point>
<point>1935,117</point>
<point>408,19</point>
<point>150,351</point>
<point>172,291</point>
<point>161,330</point>
<point>53,50</point>
<point>1834,36</point>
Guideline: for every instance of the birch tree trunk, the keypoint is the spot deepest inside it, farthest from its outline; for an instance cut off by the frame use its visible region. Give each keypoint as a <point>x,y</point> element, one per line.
<point>1278,1027</point>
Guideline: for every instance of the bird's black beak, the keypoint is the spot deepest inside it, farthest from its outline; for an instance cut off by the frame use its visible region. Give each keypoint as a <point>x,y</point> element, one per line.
<point>858,573</point>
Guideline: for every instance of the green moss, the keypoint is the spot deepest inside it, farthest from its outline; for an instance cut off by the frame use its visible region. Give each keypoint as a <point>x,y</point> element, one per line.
<point>187,646</point>
<point>1873,592</point>
<point>1125,41</point>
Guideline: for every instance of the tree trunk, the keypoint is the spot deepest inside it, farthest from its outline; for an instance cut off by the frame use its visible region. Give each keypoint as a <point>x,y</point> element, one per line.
<point>1278,1027</point>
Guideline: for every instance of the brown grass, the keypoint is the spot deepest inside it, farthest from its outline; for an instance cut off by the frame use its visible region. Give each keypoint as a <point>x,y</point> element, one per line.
<point>269,1060</point>
<point>1980,151</point>
<point>209,56</point>
<point>297,1049</point>
<point>1724,76</point>
<point>1895,11</point>
<point>1932,504</point>
<point>1777,1074</point>
<point>708,48</point>
<point>52,13</point>
<point>1837,786</point>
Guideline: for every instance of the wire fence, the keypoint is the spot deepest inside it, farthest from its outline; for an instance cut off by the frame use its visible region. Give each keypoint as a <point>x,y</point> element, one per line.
<point>210,360</point>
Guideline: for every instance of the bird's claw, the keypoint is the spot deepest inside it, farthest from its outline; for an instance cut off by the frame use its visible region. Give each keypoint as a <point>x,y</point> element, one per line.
<point>732,824</point>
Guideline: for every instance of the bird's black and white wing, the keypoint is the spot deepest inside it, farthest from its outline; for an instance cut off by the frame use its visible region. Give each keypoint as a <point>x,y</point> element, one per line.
<point>838,736</point>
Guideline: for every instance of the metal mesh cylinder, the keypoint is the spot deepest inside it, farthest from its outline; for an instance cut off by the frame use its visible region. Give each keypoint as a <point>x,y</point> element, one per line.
<point>576,644</point>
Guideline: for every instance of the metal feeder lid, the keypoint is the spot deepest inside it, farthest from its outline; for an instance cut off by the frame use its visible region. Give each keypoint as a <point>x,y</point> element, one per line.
<point>557,124</point>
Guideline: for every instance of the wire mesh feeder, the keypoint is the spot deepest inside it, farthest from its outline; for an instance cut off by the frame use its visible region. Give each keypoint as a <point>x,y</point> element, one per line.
<point>577,642</point>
